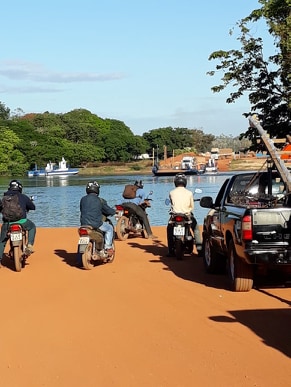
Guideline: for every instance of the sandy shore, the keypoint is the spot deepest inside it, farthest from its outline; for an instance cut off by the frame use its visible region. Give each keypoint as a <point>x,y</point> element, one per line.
<point>144,320</point>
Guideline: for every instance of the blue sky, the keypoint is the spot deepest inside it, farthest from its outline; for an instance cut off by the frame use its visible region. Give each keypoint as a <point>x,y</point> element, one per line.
<point>141,62</point>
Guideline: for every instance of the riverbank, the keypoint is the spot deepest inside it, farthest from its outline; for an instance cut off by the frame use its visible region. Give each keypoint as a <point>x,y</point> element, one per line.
<point>144,320</point>
<point>144,167</point>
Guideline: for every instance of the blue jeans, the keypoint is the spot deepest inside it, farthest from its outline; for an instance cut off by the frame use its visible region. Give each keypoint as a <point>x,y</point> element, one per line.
<point>108,229</point>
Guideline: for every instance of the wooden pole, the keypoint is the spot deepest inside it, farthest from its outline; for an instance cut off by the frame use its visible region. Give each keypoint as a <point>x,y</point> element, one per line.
<point>281,167</point>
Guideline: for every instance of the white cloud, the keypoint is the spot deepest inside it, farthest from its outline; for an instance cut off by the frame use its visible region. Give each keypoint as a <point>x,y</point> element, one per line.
<point>28,71</point>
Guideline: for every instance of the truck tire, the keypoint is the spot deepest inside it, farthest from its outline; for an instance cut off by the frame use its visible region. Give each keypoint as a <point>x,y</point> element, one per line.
<point>240,273</point>
<point>214,262</point>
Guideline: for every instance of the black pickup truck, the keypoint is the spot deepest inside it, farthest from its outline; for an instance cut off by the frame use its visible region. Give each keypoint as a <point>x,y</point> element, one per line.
<point>247,229</point>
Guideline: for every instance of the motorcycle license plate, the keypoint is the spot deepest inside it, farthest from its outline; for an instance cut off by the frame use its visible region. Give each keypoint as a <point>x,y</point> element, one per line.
<point>83,240</point>
<point>179,230</point>
<point>118,214</point>
<point>16,236</point>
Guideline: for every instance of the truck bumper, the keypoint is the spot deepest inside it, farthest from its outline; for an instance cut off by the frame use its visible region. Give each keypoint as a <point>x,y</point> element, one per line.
<point>280,255</point>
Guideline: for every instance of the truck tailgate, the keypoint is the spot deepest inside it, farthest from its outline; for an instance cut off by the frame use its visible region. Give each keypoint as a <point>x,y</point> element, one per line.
<point>271,225</point>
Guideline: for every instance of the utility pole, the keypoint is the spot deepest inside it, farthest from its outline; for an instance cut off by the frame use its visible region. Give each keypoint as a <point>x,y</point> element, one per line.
<point>280,166</point>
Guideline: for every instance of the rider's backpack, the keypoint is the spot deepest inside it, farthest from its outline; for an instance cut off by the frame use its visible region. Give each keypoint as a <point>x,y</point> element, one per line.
<point>11,210</point>
<point>130,191</point>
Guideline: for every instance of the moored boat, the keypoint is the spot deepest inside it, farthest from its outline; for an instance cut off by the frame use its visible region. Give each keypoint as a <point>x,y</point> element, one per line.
<point>51,170</point>
<point>172,172</point>
<point>211,167</point>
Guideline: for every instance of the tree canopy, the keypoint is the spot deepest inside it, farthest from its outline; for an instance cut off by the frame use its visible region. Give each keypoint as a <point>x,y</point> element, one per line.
<point>266,81</point>
<point>83,138</point>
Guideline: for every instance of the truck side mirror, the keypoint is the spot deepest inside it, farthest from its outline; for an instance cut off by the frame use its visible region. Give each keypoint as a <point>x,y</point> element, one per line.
<point>206,202</point>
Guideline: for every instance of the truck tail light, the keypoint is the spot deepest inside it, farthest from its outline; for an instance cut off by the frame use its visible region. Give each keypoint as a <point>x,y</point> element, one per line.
<point>247,231</point>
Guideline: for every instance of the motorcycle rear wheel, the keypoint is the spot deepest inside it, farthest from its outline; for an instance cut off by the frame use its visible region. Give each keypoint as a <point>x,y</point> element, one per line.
<point>86,257</point>
<point>111,258</point>
<point>17,258</point>
<point>179,249</point>
<point>121,227</point>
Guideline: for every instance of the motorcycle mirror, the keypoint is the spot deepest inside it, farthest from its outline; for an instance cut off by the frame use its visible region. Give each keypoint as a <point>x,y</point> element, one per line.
<point>33,197</point>
<point>198,190</point>
<point>167,202</point>
<point>151,192</point>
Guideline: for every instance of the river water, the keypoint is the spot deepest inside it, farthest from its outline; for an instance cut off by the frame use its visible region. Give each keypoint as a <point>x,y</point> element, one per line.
<point>57,198</point>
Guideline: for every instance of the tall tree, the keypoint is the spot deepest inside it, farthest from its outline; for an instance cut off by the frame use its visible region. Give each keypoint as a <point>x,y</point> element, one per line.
<point>4,112</point>
<point>266,81</point>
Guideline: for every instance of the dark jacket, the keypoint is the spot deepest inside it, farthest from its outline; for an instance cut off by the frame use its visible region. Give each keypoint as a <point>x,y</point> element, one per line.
<point>92,210</point>
<point>24,201</point>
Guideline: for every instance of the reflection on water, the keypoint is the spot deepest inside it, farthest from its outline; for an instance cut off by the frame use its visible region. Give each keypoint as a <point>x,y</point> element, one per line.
<point>57,203</point>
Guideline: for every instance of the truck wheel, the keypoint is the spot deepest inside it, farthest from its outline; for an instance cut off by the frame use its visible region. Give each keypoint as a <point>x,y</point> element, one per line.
<point>213,261</point>
<point>121,227</point>
<point>240,273</point>
<point>179,249</point>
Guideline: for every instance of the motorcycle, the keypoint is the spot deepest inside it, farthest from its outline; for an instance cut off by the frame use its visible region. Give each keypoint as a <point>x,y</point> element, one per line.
<point>128,222</point>
<point>18,240</point>
<point>179,227</point>
<point>91,247</point>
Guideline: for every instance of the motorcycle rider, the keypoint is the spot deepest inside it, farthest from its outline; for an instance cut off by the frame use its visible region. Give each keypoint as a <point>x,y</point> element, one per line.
<point>134,204</point>
<point>182,202</point>
<point>15,188</point>
<point>93,209</point>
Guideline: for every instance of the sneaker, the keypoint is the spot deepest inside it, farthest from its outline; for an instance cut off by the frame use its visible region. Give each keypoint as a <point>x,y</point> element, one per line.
<point>28,250</point>
<point>110,251</point>
<point>198,247</point>
<point>152,236</point>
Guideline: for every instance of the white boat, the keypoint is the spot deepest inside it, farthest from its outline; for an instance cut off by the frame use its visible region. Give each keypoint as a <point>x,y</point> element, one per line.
<point>52,170</point>
<point>211,167</point>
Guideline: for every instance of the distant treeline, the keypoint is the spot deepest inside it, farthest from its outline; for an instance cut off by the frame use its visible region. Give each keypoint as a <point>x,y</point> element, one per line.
<point>84,139</point>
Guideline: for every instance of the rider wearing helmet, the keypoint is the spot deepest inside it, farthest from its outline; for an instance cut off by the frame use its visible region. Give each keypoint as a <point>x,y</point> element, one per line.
<point>182,202</point>
<point>134,204</point>
<point>93,208</point>
<point>26,204</point>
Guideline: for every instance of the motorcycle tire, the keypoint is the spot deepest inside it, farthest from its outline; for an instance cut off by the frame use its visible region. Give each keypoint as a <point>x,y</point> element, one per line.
<point>111,258</point>
<point>121,227</point>
<point>144,234</point>
<point>86,257</point>
<point>179,249</point>
<point>189,245</point>
<point>17,258</point>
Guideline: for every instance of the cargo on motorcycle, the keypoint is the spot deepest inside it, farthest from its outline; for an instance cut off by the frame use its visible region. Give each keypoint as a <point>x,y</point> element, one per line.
<point>96,233</point>
<point>16,227</point>
<point>131,215</point>
<point>182,229</point>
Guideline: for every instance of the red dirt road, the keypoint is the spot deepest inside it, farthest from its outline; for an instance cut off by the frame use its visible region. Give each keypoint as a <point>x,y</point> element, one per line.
<point>142,321</point>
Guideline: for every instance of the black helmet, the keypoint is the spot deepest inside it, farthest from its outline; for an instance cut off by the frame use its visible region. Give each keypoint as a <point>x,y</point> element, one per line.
<point>15,185</point>
<point>180,180</point>
<point>92,187</point>
<point>139,184</point>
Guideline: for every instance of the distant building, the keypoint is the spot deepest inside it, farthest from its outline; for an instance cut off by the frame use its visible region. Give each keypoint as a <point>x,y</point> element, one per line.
<point>143,156</point>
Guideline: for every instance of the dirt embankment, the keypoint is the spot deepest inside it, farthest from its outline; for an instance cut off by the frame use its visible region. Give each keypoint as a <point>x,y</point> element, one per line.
<point>224,164</point>
<point>144,320</point>
<point>145,166</point>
